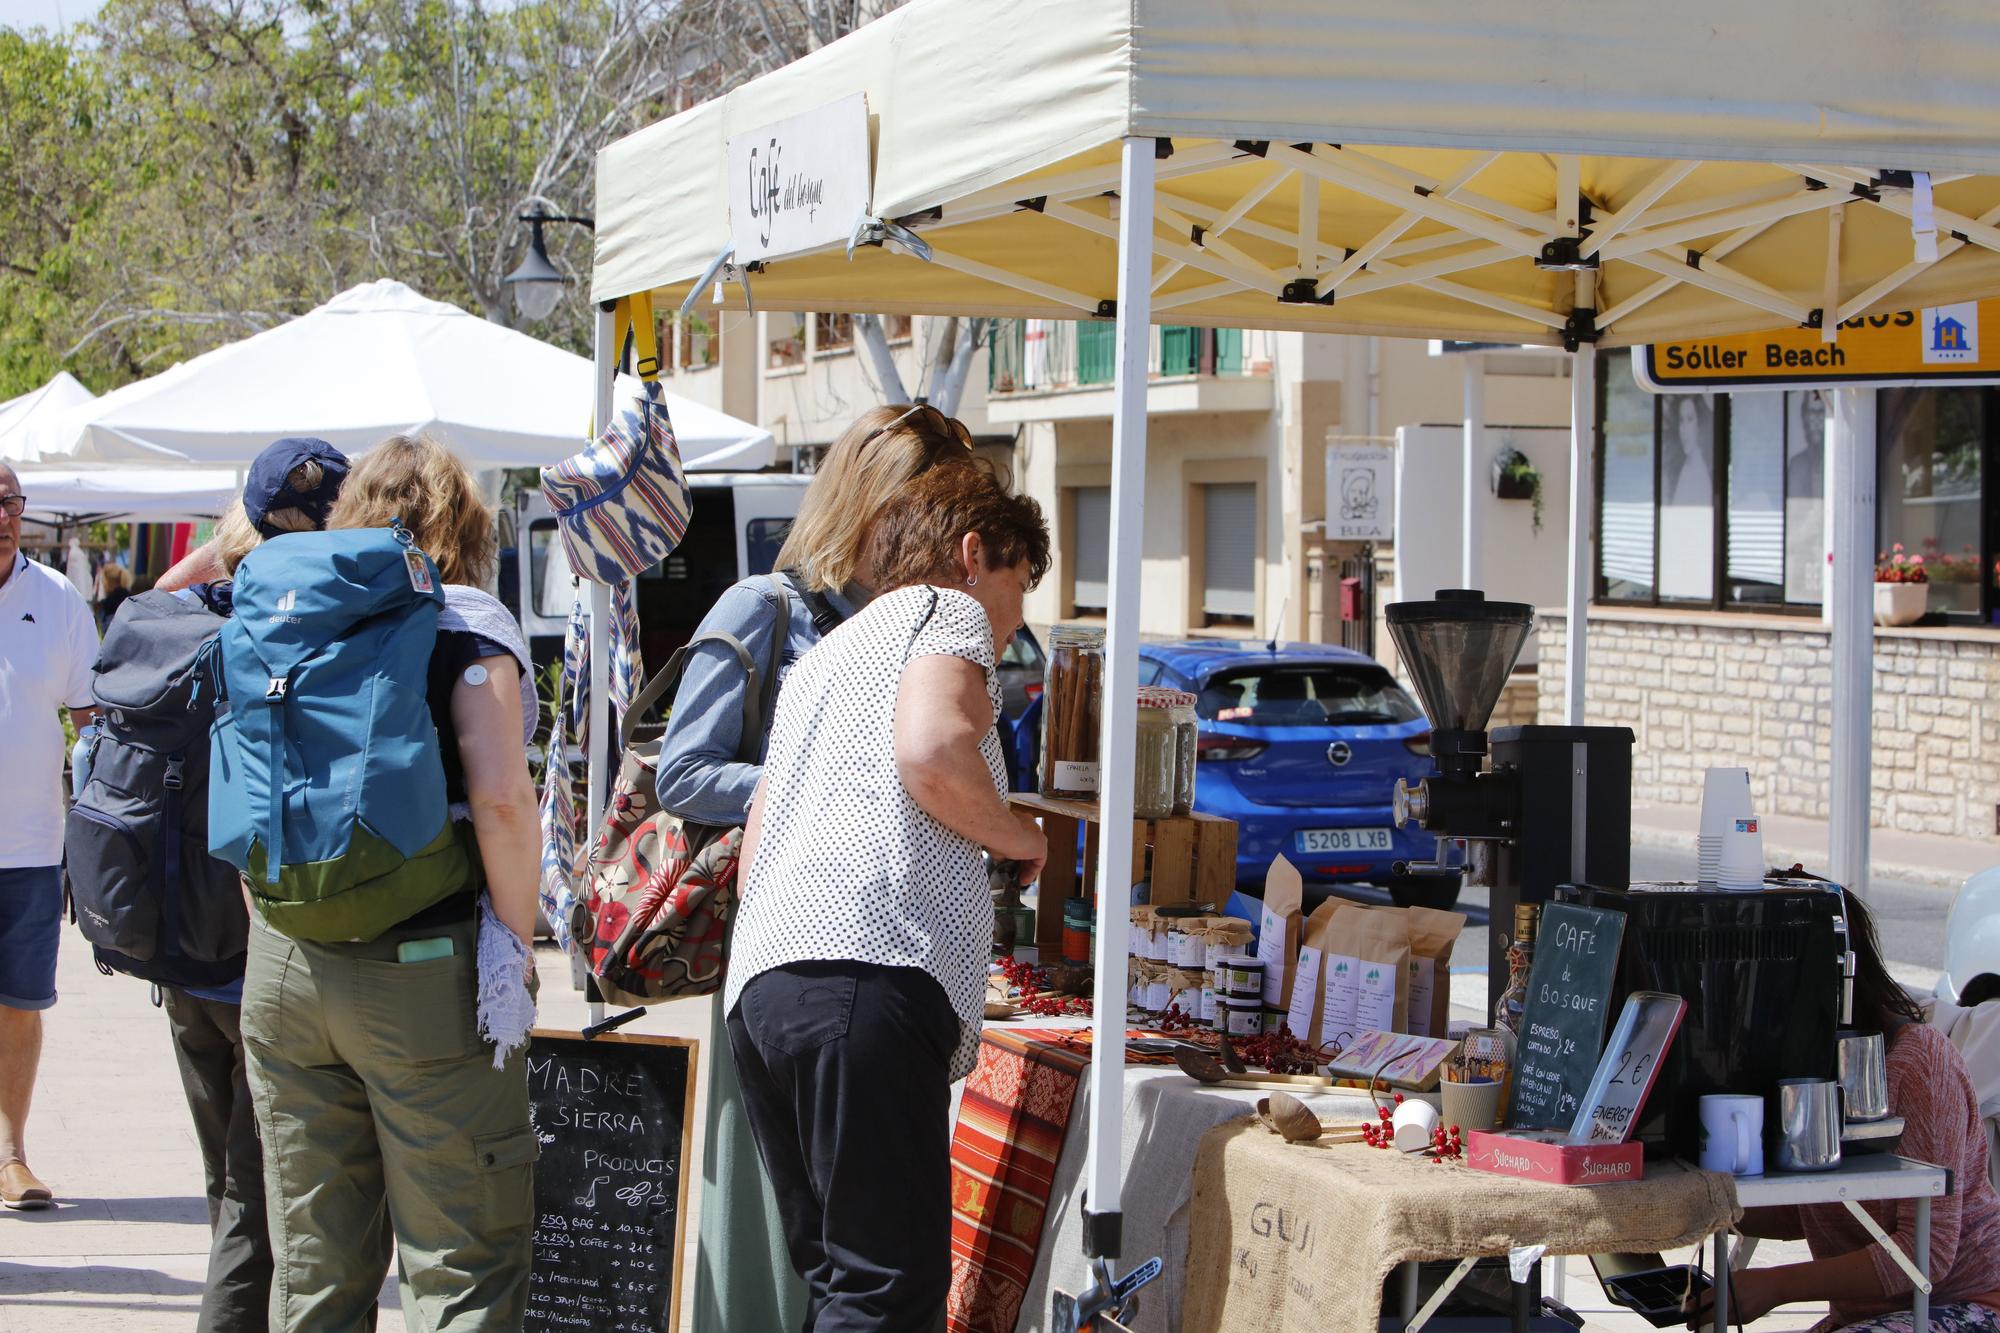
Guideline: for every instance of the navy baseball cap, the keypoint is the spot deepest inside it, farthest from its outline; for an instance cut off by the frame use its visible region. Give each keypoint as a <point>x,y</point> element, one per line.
<point>266,488</point>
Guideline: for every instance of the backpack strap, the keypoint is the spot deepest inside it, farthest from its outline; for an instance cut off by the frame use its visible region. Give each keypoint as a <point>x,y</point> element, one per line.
<point>826,617</point>
<point>667,681</point>
<point>764,694</point>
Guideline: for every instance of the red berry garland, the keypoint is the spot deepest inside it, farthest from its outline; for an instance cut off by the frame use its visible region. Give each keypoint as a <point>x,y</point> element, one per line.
<point>1031,981</point>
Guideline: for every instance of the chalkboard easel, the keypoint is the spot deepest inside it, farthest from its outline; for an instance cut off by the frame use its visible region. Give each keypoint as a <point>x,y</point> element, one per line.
<point>1562,1022</point>
<point>614,1116</point>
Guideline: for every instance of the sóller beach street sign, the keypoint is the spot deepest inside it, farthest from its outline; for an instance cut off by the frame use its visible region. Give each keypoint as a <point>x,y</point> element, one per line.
<point>799,184</point>
<point>1935,345</point>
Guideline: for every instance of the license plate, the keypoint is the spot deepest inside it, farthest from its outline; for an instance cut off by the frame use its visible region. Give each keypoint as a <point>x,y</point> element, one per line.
<point>1316,840</point>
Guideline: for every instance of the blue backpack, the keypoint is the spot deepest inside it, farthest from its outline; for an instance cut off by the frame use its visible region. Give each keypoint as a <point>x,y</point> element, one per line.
<point>325,785</point>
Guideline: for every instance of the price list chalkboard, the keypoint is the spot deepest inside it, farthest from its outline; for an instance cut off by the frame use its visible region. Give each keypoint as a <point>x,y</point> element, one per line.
<point>615,1119</point>
<point>1562,1023</point>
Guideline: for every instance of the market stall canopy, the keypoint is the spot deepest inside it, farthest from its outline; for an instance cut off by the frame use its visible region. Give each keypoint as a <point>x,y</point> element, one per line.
<point>1436,171</point>
<point>375,361</point>
<point>17,415</point>
<point>127,494</point>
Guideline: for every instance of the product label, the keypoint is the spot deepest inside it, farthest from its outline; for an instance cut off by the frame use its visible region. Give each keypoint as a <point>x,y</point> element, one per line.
<point>1208,1002</point>
<point>1185,950</point>
<point>1076,775</point>
<point>1245,1022</point>
<point>1375,997</point>
<point>1342,992</point>
<point>1423,980</point>
<point>1271,949</point>
<point>1305,988</point>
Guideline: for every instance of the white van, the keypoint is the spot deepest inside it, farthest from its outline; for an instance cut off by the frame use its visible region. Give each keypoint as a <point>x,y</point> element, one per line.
<point>738,523</point>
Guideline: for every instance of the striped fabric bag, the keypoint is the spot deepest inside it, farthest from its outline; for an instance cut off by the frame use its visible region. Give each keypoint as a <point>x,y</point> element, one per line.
<point>622,504</point>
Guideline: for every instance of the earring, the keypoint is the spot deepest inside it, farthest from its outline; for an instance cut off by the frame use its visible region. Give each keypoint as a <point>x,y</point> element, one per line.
<point>972,583</point>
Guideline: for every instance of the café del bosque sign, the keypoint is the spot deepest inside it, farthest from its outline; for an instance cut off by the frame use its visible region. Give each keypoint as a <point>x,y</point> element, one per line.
<point>1947,344</point>
<point>801,183</point>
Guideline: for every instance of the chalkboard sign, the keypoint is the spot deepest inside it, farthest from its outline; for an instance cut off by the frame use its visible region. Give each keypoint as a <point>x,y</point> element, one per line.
<point>1562,1023</point>
<point>615,1119</point>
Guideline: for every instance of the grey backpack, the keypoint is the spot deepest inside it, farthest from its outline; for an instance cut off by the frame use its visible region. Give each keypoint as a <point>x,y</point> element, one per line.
<point>147,895</point>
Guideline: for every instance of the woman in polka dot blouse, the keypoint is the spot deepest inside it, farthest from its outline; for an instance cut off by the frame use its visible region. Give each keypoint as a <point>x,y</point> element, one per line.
<point>858,974</point>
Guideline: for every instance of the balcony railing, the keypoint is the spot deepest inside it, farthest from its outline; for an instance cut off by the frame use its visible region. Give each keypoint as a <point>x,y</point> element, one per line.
<point>1041,355</point>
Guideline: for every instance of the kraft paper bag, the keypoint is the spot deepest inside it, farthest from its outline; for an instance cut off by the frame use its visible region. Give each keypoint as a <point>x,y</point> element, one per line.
<point>1433,935</point>
<point>1278,931</point>
<point>1365,985</point>
<point>1302,1015</point>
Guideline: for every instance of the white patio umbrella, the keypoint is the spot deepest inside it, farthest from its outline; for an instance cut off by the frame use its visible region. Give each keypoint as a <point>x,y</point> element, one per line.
<point>1605,174</point>
<point>127,494</point>
<point>377,360</point>
<point>59,395</point>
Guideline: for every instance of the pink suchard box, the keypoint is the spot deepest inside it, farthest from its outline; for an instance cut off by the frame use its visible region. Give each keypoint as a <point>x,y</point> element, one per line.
<point>1542,1155</point>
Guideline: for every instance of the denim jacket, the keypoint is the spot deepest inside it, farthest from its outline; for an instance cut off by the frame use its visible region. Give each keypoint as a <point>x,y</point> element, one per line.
<point>700,776</point>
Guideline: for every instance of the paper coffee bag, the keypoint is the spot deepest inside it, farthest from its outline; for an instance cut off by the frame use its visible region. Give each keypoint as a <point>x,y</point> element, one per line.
<point>1433,935</point>
<point>1278,932</point>
<point>1302,1015</point>
<point>1365,986</point>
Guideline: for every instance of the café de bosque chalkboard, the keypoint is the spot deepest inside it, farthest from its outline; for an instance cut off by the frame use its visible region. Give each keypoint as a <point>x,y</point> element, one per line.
<point>1563,1020</point>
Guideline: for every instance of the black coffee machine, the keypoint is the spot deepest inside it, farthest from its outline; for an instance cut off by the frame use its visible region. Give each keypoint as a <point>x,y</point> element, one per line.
<point>1768,981</point>
<point>1554,807</point>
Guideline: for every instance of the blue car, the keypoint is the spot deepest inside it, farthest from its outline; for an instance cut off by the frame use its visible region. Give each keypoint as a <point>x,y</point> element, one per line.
<point>1302,745</point>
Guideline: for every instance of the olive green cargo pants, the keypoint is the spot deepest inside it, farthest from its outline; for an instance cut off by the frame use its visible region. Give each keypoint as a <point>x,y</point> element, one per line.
<point>382,1114</point>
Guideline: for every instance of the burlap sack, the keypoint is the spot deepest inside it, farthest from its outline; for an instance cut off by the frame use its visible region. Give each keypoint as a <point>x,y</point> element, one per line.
<point>1294,1238</point>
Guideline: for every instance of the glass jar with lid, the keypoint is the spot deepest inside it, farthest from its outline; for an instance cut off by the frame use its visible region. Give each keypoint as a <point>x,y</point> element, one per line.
<point>1187,740</point>
<point>1153,758</point>
<point>1072,701</point>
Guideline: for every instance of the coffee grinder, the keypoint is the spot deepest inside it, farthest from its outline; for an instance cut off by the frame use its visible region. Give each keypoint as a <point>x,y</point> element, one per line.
<point>1553,807</point>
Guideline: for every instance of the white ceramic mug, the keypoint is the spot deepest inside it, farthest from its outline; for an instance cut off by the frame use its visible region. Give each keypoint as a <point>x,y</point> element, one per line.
<point>1415,1124</point>
<point>1732,1134</point>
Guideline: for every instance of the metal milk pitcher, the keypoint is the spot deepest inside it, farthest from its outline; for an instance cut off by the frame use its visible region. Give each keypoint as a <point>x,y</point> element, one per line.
<point>1864,1076</point>
<point>1808,1124</point>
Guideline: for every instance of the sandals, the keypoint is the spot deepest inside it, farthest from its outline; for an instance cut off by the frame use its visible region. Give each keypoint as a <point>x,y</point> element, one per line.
<point>20,1190</point>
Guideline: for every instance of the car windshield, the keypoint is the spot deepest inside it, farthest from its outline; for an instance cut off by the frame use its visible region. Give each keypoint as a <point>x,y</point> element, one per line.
<point>1305,694</point>
<point>1022,652</point>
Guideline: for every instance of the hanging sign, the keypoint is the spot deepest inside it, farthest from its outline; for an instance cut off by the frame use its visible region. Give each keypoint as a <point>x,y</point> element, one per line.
<point>1360,493</point>
<point>801,183</point>
<point>1936,345</point>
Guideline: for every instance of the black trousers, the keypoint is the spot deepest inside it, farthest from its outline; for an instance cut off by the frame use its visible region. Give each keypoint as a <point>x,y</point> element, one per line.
<point>208,1045</point>
<point>845,1069</point>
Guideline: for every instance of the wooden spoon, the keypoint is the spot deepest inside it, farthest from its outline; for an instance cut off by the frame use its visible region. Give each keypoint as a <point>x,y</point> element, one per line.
<point>1297,1123</point>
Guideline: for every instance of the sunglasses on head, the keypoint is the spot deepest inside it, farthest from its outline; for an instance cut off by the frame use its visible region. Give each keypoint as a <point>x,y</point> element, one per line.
<point>956,427</point>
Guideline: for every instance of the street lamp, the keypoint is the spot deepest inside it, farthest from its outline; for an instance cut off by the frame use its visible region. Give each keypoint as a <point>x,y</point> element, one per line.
<point>538,284</point>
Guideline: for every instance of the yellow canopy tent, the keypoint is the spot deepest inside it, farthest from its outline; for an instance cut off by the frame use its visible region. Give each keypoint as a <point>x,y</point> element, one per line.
<point>1579,175</point>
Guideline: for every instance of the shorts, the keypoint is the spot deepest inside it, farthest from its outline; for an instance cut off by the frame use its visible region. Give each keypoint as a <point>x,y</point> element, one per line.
<point>31,908</point>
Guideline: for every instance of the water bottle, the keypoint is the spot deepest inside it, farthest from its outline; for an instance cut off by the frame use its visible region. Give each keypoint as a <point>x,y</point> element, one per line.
<point>80,757</point>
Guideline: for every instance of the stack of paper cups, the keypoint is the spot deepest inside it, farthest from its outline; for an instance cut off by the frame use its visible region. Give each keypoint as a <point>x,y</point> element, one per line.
<point>1725,802</point>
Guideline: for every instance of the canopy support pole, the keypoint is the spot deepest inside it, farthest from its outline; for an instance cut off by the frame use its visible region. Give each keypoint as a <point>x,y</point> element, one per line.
<point>1472,525</point>
<point>1582,475</point>
<point>1101,1232</point>
<point>599,701</point>
<point>1852,599</point>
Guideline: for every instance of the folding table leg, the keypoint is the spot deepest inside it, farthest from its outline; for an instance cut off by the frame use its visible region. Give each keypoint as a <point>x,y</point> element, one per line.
<point>1411,1273</point>
<point>1920,1306</point>
<point>1722,1283</point>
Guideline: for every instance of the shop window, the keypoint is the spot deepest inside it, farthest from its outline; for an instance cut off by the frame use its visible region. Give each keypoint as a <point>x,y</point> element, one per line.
<point>1931,445</point>
<point>784,340</point>
<point>1687,498</point>
<point>896,328</point>
<point>1090,529</point>
<point>1805,496</point>
<point>1229,554</point>
<point>1625,518</point>
<point>832,333</point>
<point>695,345</point>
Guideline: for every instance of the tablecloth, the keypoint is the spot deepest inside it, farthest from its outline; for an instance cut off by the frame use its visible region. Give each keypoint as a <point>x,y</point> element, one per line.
<point>1296,1236</point>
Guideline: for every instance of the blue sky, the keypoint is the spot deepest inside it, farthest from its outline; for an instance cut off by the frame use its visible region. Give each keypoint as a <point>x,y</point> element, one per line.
<point>46,13</point>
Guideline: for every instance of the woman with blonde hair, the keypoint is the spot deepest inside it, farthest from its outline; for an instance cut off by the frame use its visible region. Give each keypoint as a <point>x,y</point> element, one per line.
<point>383,1109</point>
<point>744,1277</point>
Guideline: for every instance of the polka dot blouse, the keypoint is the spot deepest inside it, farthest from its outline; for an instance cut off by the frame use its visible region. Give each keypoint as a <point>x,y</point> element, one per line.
<point>849,867</point>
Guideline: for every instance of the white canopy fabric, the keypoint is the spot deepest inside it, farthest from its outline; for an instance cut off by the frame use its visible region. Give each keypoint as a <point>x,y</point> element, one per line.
<point>142,495</point>
<point>59,395</point>
<point>377,360</point>
<point>1410,163</point>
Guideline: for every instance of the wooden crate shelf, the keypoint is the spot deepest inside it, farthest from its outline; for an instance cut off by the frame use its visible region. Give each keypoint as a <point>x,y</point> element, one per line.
<point>1183,859</point>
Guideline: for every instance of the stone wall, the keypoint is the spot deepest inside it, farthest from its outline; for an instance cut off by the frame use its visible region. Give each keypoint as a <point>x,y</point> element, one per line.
<point>1757,691</point>
<point>1520,702</point>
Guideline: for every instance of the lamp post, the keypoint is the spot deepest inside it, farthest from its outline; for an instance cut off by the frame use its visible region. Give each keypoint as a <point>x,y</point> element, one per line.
<point>538,284</point>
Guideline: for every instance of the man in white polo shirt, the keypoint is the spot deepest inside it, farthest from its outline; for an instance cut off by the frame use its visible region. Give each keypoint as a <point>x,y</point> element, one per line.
<point>47,646</point>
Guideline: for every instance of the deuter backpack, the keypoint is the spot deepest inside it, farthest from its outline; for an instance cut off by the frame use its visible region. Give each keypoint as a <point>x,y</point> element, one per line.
<point>147,895</point>
<point>325,785</point>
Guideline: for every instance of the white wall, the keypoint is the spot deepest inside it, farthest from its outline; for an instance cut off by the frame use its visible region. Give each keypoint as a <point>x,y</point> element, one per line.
<point>1519,564</point>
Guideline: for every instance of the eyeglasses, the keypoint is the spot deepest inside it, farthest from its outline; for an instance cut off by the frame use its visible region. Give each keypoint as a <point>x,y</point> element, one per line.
<point>956,426</point>
<point>12,505</point>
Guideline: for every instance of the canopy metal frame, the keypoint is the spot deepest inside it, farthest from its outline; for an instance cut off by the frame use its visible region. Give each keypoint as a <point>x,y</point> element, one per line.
<point>1605,262</point>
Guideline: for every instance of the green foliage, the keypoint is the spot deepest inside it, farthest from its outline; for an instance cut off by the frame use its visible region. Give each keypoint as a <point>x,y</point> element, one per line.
<point>184,172</point>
